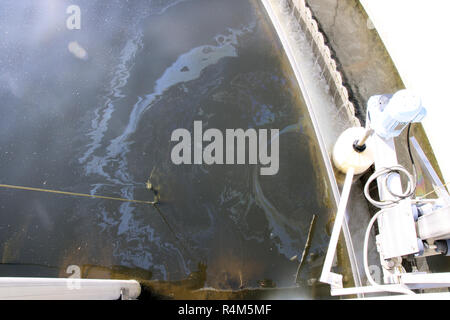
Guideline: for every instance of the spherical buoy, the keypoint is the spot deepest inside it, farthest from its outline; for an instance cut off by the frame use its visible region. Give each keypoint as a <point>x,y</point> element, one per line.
<point>348,153</point>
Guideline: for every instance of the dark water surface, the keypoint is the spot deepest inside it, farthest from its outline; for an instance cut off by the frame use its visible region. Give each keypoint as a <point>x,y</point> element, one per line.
<point>101,123</point>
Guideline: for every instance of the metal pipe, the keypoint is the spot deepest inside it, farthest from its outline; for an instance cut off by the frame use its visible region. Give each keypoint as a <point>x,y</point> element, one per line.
<point>364,138</point>
<point>327,276</point>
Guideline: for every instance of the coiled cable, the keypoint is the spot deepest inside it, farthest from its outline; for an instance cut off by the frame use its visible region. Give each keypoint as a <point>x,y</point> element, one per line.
<point>412,180</point>
<point>386,172</point>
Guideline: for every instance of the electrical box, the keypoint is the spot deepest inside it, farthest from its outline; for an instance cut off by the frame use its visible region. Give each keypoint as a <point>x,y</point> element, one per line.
<point>397,227</point>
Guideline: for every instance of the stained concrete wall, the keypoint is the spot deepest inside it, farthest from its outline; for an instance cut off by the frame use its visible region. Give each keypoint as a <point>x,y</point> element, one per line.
<point>365,64</point>
<point>361,55</point>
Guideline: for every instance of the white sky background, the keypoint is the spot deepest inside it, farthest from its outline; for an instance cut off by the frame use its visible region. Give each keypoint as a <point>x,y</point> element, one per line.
<point>417,35</point>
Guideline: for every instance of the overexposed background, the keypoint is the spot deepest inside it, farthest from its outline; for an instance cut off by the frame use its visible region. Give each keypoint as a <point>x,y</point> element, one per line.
<point>416,35</point>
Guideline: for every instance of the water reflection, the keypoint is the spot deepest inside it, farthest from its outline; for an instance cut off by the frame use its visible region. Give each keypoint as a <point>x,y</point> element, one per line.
<point>93,111</point>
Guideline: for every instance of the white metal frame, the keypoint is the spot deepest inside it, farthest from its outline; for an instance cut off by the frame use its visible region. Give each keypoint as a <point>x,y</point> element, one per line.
<point>16,288</point>
<point>385,156</point>
<point>327,276</point>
